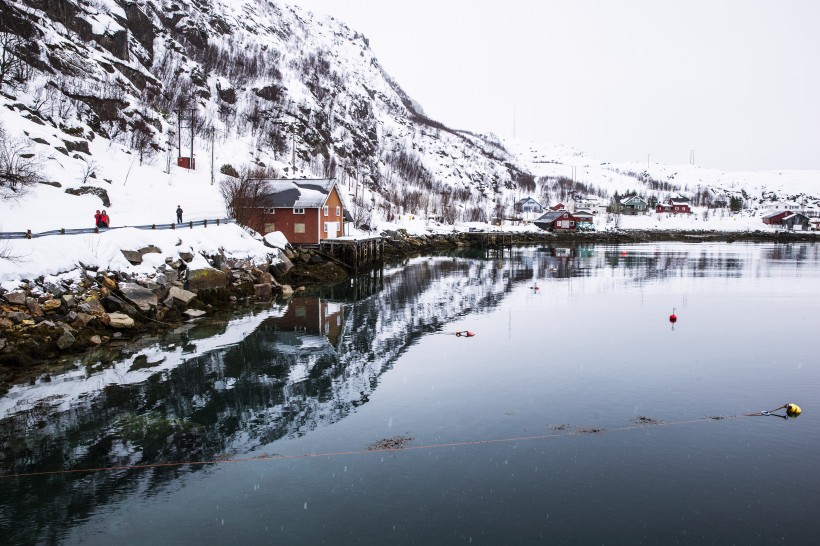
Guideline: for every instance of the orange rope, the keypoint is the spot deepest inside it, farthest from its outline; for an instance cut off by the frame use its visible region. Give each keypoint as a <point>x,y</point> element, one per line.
<point>358,452</point>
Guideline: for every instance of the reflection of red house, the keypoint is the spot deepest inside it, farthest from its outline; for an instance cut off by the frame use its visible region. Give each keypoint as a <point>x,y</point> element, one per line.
<point>305,211</point>
<point>314,316</point>
<point>674,206</point>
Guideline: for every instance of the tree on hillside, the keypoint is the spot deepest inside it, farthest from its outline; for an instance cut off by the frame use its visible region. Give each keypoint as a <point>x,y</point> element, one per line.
<point>13,70</point>
<point>19,169</point>
<point>243,193</point>
<point>735,204</point>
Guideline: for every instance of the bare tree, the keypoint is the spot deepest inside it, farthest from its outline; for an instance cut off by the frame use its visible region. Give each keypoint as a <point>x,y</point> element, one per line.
<point>13,70</point>
<point>243,194</point>
<point>19,169</point>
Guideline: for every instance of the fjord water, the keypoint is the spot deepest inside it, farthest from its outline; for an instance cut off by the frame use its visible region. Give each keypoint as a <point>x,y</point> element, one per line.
<point>577,413</point>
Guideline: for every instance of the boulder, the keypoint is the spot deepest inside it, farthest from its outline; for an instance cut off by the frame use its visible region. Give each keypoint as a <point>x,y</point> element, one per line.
<point>287,291</point>
<point>120,321</point>
<point>65,341</point>
<point>179,295</point>
<point>52,305</point>
<point>140,296</point>
<point>206,278</point>
<point>109,283</point>
<point>263,291</point>
<point>34,308</point>
<point>194,313</point>
<point>82,320</point>
<point>95,340</point>
<point>17,298</point>
<point>5,323</point>
<point>133,256</point>
<point>280,266</point>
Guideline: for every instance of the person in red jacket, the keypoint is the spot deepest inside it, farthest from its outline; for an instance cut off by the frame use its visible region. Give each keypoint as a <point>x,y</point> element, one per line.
<point>104,219</point>
<point>98,219</point>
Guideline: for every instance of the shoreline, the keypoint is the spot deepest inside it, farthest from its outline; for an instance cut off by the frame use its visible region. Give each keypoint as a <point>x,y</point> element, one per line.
<point>38,330</point>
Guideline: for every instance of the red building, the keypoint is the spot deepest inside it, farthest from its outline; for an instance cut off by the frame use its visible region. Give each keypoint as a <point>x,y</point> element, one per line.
<point>557,220</point>
<point>305,211</point>
<point>674,205</point>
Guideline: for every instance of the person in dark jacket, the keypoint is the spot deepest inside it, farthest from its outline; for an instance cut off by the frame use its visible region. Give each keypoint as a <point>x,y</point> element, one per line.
<point>179,214</point>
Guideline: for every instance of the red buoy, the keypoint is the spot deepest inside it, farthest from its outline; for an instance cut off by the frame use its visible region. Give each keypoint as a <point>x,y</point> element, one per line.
<point>673,318</point>
<point>465,333</point>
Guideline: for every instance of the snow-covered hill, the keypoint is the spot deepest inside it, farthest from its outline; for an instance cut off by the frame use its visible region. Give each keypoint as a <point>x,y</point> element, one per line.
<point>101,97</point>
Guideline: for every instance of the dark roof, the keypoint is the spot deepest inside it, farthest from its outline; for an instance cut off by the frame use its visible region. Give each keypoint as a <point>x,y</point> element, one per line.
<point>550,217</point>
<point>679,200</point>
<point>308,194</point>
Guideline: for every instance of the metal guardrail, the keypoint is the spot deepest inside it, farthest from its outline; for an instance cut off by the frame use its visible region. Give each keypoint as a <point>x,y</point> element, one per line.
<point>78,231</point>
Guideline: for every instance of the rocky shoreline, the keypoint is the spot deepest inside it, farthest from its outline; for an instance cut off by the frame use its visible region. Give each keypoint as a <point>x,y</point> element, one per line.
<point>43,319</point>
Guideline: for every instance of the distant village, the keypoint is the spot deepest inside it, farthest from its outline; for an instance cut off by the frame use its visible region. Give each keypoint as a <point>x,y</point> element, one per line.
<point>578,214</point>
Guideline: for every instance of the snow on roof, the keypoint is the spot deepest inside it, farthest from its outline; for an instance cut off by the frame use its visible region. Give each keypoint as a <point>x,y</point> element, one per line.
<point>312,193</point>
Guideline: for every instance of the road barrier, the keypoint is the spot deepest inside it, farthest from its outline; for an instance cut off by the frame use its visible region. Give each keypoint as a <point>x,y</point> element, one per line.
<point>77,231</point>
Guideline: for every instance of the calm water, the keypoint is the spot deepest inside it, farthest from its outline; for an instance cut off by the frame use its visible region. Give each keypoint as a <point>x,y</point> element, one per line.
<point>576,415</point>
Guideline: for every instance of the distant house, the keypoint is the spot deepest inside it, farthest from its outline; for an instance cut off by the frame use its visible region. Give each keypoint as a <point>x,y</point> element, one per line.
<point>787,220</point>
<point>305,211</point>
<point>632,205</point>
<point>556,220</point>
<point>674,205</point>
<point>796,221</point>
<point>528,207</point>
<point>583,219</point>
<point>559,206</point>
<point>780,205</point>
<point>591,203</point>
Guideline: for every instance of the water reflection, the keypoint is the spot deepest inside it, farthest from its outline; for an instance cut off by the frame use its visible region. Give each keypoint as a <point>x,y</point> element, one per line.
<point>218,390</point>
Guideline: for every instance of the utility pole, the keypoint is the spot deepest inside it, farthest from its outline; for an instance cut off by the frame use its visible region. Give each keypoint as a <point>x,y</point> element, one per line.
<point>293,150</point>
<point>691,157</point>
<point>212,156</point>
<point>647,160</point>
<point>191,163</point>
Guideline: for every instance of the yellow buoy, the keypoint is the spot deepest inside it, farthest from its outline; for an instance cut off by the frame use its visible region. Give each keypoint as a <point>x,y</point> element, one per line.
<point>793,410</point>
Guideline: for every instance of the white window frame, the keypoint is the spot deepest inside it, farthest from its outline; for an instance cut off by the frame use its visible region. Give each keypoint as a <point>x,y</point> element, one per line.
<point>325,211</point>
<point>298,210</point>
<point>338,211</point>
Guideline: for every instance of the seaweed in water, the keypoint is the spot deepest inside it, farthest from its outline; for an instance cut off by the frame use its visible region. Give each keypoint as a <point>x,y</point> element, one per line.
<point>641,420</point>
<point>397,442</point>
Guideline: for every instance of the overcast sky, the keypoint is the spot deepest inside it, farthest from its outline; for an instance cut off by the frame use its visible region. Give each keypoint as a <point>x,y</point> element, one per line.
<point>737,81</point>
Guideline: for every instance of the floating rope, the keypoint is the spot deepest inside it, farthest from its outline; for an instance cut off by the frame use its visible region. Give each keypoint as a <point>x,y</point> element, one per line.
<point>641,422</point>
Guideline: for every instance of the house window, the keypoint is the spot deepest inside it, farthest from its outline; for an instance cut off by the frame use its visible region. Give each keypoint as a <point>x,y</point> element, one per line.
<point>269,211</point>
<point>298,228</point>
<point>324,210</point>
<point>325,227</point>
<point>571,223</point>
<point>298,211</point>
<point>338,211</point>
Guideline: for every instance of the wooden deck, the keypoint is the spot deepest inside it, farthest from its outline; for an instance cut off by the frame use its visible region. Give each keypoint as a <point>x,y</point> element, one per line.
<point>357,254</point>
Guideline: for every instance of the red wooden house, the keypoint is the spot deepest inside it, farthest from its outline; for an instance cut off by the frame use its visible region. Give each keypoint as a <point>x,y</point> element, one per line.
<point>305,211</point>
<point>674,205</point>
<point>557,220</point>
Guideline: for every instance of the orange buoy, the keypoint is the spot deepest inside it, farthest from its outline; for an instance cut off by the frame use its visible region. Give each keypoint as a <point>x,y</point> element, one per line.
<point>673,318</point>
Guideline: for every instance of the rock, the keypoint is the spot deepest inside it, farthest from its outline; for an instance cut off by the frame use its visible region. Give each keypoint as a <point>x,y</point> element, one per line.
<point>3,344</point>
<point>16,298</point>
<point>280,265</point>
<point>68,299</point>
<point>287,291</point>
<point>263,291</point>
<point>264,278</point>
<point>34,308</point>
<point>142,297</point>
<point>65,341</point>
<point>206,278</point>
<point>187,256</point>
<point>52,305</point>
<point>82,320</point>
<point>182,296</point>
<point>5,323</point>
<point>19,317</point>
<point>133,257</point>
<point>95,340</point>
<point>120,320</point>
<point>194,313</point>
<point>109,283</point>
